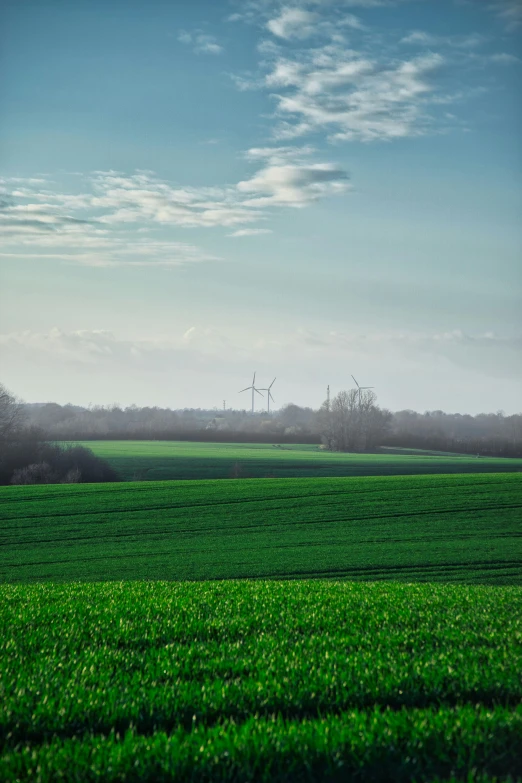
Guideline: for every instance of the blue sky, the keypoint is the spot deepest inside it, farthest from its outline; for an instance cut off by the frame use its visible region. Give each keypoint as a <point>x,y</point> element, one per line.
<point>194,191</point>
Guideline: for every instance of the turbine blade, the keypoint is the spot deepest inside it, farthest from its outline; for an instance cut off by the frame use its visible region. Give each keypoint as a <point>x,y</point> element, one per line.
<point>272,383</point>
<point>254,380</point>
<point>271,397</point>
<point>356,383</point>
<point>257,390</point>
<point>242,390</point>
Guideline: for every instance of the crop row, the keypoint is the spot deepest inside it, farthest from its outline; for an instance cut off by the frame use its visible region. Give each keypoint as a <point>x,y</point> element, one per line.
<point>144,655</point>
<point>259,681</point>
<point>464,744</point>
<point>463,528</point>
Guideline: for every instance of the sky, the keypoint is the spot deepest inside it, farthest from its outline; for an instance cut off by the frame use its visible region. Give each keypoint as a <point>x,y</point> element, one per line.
<point>194,191</point>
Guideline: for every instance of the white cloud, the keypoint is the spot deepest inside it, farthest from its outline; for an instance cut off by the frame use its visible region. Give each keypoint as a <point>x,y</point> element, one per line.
<point>252,10</point>
<point>116,224</point>
<point>188,334</point>
<point>422,38</point>
<point>102,348</point>
<point>293,185</point>
<point>67,227</point>
<point>201,42</point>
<point>246,82</point>
<point>485,353</point>
<point>249,232</point>
<point>352,97</point>
<point>207,44</point>
<point>268,46</point>
<point>139,197</point>
<point>358,83</point>
<point>84,346</point>
<point>293,22</point>
<point>280,155</point>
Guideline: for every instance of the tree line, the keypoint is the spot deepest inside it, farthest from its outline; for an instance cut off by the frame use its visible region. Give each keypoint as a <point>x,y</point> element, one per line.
<point>351,421</point>
<point>28,457</point>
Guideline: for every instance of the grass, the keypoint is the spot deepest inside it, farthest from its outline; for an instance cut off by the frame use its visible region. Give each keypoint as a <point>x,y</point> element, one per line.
<point>460,528</point>
<point>165,460</point>
<point>110,673</point>
<point>260,682</point>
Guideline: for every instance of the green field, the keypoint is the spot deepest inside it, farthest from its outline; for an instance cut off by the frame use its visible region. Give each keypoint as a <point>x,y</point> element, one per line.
<point>160,460</point>
<point>459,528</point>
<point>260,681</point>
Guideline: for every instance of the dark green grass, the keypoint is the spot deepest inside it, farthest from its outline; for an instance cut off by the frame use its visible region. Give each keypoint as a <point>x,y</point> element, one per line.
<point>460,528</point>
<point>164,460</point>
<point>260,681</point>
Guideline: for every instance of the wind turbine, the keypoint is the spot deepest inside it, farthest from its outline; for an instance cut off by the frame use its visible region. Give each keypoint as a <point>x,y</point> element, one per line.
<point>362,388</point>
<point>269,396</point>
<point>253,387</point>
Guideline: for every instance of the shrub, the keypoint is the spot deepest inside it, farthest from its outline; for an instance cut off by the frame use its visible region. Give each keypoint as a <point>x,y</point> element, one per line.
<point>37,473</point>
<point>73,476</point>
<point>81,465</point>
<point>29,460</point>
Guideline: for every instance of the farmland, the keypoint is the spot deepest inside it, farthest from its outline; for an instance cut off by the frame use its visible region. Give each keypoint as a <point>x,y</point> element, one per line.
<point>165,460</point>
<point>262,630</point>
<point>446,528</point>
<point>260,681</point>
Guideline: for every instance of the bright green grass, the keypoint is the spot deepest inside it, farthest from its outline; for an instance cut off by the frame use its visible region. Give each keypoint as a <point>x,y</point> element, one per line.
<point>461,528</point>
<point>159,460</point>
<point>260,681</point>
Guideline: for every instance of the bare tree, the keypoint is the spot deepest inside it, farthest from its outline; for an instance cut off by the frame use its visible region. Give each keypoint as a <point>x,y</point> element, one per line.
<point>345,421</point>
<point>37,473</point>
<point>11,414</point>
<point>354,422</point>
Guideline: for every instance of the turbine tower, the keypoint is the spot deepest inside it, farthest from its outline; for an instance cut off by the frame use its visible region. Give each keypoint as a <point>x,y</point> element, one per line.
<point>253,387</point>
<point>269,395</point>
<point>362,388</point>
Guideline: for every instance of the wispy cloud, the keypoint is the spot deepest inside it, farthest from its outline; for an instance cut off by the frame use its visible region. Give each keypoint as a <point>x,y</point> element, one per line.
<point>422,38</point>
<point>280,155</point>
<point>485,353</point>
<point>201,42</point>
<point>293,22</point>
<point>352,97</point>
<point>252,11</point>
<point>101,347</point>
<point>114,222</point>
<point>249,232</point>
<point>509,11</point>
<point>292,185</point>
<point>330,72</point>
<point>72,228</point>
<point>145,197</point>
<point>504,58</point>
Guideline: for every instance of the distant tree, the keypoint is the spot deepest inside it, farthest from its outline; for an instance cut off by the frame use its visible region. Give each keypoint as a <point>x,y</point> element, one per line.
<point>11,415</point>
<point>27,457</point>
<point>490,434</point>
<point>353,422</point>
